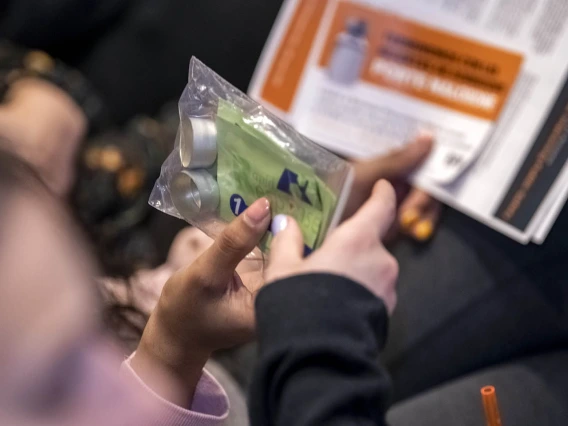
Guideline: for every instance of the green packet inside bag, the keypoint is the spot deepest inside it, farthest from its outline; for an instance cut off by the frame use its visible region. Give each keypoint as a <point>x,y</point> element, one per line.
<point>229,152</point>
<point>251,165</point>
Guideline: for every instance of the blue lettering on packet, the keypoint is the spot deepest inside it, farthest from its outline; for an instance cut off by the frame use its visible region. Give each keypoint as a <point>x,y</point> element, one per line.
<point>290,178</point>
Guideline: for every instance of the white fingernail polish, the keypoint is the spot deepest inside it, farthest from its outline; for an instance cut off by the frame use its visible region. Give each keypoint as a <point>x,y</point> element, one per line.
<point>279,223</point>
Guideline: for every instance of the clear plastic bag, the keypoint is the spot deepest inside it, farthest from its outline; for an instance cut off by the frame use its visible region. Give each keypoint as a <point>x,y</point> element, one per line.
<point>230,151</point>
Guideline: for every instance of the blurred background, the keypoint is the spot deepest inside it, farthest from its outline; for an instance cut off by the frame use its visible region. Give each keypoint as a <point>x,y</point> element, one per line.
<point>126,63</point>
<point>99,80</point>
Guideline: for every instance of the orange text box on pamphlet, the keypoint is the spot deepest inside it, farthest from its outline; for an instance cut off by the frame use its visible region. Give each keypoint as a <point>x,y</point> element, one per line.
<point>427,63</point>
<point>292,55</point>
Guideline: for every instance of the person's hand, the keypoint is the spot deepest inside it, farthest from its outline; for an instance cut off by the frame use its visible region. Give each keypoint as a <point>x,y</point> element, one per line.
<point>203,307</point>
<point>418,213</point>
<point>44,126</point>
<point>353,250</point>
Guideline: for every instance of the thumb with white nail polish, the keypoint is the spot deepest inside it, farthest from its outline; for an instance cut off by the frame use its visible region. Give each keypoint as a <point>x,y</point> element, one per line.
<point>287,248</point>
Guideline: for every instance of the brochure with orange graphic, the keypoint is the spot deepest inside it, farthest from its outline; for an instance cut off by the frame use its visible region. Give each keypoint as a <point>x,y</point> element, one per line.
<point>488,78</point>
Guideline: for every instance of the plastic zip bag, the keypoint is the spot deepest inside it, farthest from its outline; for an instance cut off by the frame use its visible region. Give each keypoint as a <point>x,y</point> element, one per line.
<point>230,151</point>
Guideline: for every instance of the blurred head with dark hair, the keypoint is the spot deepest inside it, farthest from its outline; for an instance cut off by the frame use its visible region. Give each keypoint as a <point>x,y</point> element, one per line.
<point>56,369</point>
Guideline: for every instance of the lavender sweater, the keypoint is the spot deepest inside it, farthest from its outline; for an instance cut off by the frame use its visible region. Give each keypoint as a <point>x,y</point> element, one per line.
<point>210,405</point>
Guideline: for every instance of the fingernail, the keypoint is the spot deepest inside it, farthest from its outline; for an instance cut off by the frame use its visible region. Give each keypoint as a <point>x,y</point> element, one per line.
<point>423,230</point>
<point>257,212</point>
<point>424,135</point>
<point>409,218</point>
<point>279,223</point>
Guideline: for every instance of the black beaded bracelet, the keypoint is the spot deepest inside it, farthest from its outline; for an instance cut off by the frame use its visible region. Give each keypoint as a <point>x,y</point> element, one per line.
<point>17,63</point>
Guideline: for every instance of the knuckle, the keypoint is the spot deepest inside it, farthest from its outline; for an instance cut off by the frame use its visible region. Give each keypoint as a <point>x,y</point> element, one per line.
<point>229,242</point>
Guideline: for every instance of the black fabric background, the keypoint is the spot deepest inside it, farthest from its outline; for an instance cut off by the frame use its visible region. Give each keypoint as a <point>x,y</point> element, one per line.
<point>136,52</point>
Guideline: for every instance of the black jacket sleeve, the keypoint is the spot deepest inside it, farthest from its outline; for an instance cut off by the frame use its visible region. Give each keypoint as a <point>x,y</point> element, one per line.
<point>319,341</point>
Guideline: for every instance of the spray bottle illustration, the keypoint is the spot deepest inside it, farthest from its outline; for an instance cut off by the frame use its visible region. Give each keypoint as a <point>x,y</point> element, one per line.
<point>350,51</point>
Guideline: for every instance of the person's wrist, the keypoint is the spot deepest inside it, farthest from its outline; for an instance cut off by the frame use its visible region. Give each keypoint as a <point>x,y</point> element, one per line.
<point>167,364</point>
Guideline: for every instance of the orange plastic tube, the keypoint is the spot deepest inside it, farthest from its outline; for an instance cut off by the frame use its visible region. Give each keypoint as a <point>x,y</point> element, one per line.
<point>489,397</point>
